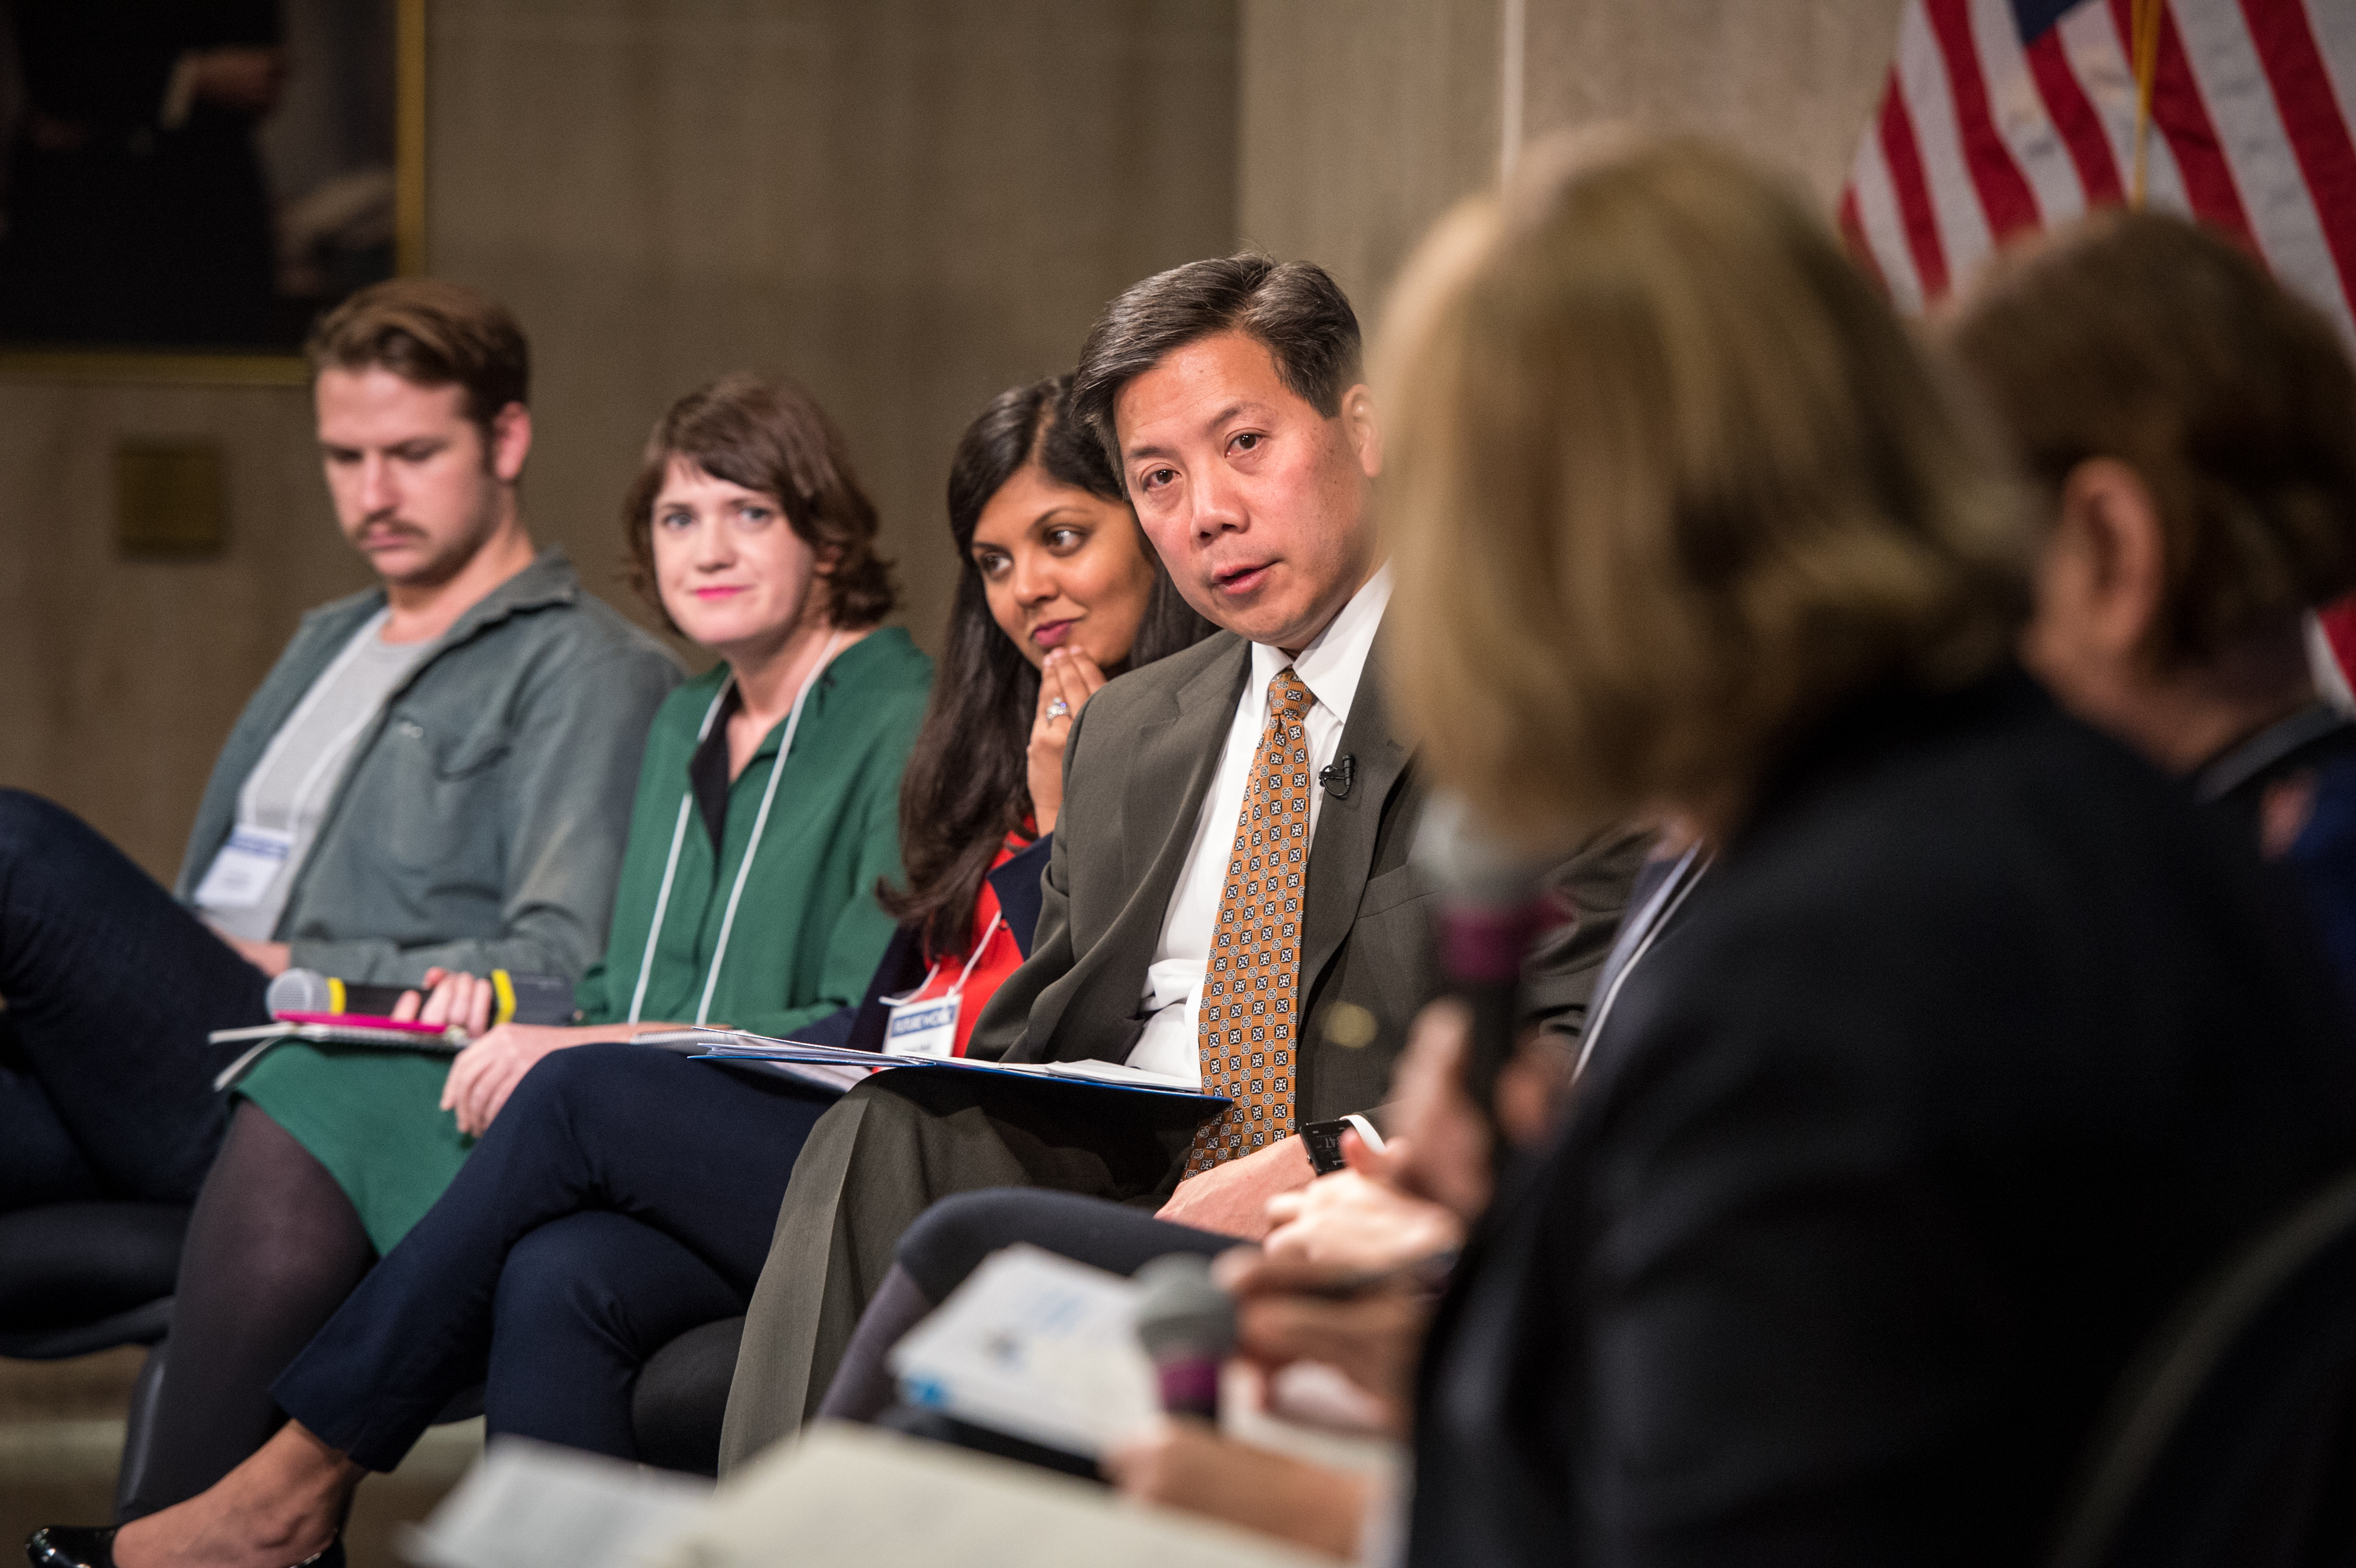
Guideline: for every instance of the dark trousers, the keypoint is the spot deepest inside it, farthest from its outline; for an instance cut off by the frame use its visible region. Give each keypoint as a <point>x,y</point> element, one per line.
<point>893,1148</point>
<point>624,1195</point>
<point>105,1073</point>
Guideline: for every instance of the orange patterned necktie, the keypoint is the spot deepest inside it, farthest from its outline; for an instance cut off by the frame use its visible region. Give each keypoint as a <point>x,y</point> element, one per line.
<point>1246,1034</point>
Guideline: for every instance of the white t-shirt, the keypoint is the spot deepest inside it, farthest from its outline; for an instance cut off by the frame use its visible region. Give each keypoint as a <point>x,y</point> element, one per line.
<point>287,796</point>
<point>1330,667</point>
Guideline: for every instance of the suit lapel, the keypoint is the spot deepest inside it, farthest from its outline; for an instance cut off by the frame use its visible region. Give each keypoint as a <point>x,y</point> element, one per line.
<point>1172,763</point>
<point>1348,826</point>
<point>1170,772</point>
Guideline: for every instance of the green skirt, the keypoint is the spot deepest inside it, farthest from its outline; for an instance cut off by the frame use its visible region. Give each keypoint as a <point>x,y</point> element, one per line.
<point>373,1118</point>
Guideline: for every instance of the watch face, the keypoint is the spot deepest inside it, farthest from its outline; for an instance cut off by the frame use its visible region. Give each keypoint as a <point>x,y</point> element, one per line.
<point>1324,1145</point>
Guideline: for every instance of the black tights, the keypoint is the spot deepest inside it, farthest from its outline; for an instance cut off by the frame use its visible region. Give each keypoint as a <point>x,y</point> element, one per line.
<point>273,1248</point>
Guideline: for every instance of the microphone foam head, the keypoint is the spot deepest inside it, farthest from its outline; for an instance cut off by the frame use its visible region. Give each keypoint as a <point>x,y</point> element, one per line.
<point>1465,862</point>
<point>297,991</point>
<point>1181,1311</point>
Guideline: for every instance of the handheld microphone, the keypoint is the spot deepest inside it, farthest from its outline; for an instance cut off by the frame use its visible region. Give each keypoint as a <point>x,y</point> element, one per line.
<point>1187,1326</point>
<point>522,998</point>
<point>1491,908</point>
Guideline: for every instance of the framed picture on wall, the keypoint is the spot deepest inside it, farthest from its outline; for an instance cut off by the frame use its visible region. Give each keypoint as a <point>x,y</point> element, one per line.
<point>187,184</point>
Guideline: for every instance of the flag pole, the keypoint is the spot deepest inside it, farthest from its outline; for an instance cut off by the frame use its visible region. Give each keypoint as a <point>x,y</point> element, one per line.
<point>2147,17</point>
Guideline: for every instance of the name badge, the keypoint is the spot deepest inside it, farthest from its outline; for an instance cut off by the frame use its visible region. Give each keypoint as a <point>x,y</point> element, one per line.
<point>927,1028</point>
<point>245,867</point>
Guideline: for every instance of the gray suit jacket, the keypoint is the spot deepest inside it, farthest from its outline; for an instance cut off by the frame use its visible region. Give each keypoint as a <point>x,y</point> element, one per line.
<point>1140,758</point>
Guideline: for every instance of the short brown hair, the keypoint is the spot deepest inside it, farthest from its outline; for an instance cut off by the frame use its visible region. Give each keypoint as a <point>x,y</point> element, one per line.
<point>1294,308</point>
<point>2146,339</point>
<point>768,434</point>
<point>1670,484</point>
<point>431,333</point>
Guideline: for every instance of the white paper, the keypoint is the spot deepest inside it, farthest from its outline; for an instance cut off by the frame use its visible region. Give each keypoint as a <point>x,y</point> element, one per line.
<point>735,1045</point>
<point>532,1505</point>
<point>857,1497</point>
<point>927,1028</point>
<point>1038,1346</point>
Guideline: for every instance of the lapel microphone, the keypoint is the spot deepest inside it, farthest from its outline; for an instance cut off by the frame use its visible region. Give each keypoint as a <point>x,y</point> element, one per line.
<point>1335,777</point>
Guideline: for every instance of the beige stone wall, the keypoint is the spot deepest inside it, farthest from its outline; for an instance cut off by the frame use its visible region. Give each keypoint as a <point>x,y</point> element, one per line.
<point>1792,80</point>
<point>1364,120</point>
<point>119,679</point>
<point>908,204</point>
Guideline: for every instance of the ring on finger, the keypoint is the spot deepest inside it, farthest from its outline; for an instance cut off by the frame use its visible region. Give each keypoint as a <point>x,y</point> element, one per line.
<point>1059,709</point>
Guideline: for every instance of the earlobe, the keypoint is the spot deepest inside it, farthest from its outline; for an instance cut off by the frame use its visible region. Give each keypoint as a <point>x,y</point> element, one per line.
<point>2117,523</point>
<point>1365,432</point>
<point>510,441</point>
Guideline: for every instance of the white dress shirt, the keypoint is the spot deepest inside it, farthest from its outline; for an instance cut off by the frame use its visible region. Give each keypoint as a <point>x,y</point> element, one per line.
<point>1330,667</point>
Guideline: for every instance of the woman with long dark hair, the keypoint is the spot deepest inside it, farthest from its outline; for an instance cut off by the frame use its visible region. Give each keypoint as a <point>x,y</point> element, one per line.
<point>600,1216</point>
<point>1058,592</point>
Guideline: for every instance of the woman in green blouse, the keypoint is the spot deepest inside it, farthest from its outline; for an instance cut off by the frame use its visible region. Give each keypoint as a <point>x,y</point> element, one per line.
<point>747,897</point>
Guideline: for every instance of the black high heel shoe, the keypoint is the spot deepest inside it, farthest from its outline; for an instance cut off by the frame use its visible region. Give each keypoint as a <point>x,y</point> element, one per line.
<point>77,1546</point>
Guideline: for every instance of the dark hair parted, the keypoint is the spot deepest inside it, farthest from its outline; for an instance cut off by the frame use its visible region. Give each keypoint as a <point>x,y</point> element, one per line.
<point>431,333</point>
<point>966,785</point>
<point>768,434</point>
<point>2145,339</point>
<point>1295,309</point>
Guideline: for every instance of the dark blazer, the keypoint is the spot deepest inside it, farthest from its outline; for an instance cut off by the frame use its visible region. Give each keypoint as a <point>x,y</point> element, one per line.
<point>1140,758</point>
<point>1973,1050</point>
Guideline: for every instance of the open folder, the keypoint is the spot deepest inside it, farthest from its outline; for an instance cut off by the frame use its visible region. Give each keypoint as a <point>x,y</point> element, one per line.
<point>380,1035</point>
<point>840,1066</point>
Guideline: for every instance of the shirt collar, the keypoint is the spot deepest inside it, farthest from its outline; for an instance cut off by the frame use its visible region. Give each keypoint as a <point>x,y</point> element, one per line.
<point>1335,657</point>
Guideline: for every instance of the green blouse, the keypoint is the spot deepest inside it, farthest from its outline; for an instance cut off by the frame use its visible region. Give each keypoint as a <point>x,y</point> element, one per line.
<point>805,939</point>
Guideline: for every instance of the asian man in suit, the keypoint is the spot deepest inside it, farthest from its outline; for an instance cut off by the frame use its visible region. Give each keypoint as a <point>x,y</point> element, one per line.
<point>1230,898</point>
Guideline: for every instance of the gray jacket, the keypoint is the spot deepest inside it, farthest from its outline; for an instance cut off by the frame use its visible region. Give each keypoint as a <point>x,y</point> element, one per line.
<point>480,822</point>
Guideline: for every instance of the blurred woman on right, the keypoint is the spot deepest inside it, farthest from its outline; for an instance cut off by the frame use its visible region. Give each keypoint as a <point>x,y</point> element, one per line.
<point>2189,429</point>
<point>1977,1046</point>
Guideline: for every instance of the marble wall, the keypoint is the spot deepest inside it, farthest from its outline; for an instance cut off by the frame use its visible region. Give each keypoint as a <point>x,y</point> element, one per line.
<point>907,204</point>
<point>1364,120</point>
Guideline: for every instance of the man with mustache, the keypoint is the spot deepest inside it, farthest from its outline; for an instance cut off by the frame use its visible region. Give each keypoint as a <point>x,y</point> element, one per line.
<point>438,774</point>
<point>1229,900</point>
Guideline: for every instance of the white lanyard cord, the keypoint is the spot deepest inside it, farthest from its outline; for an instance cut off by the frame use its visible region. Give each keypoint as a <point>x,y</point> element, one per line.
<point>997,918</point>
<point>1667,900</point>
<point>671,865</point>
<point>760,824</point>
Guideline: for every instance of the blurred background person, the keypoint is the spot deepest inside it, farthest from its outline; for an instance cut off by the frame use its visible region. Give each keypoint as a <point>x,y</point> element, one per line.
<point>2188,426</point>
<point>136,208</point>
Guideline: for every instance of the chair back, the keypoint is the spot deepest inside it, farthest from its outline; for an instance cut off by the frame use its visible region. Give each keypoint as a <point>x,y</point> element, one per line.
<point>2232,1439</point>
<point>81,1277</point>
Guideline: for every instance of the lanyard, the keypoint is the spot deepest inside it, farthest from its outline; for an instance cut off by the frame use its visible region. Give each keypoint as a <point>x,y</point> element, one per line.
<point>997,918</point>
<point>744,867</point>
<point>1674,888</point>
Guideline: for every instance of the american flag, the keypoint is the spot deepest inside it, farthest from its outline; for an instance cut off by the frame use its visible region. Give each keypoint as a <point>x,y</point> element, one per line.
<point>2004,115</point>
<point>2008,115</point>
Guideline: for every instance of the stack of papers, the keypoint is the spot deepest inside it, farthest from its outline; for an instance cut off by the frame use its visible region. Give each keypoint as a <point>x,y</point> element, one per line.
<point>840,1066</point>
<point>433,1041</point>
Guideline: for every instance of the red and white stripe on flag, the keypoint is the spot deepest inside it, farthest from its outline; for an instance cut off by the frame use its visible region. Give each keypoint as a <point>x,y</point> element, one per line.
<point>2006,115</point>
